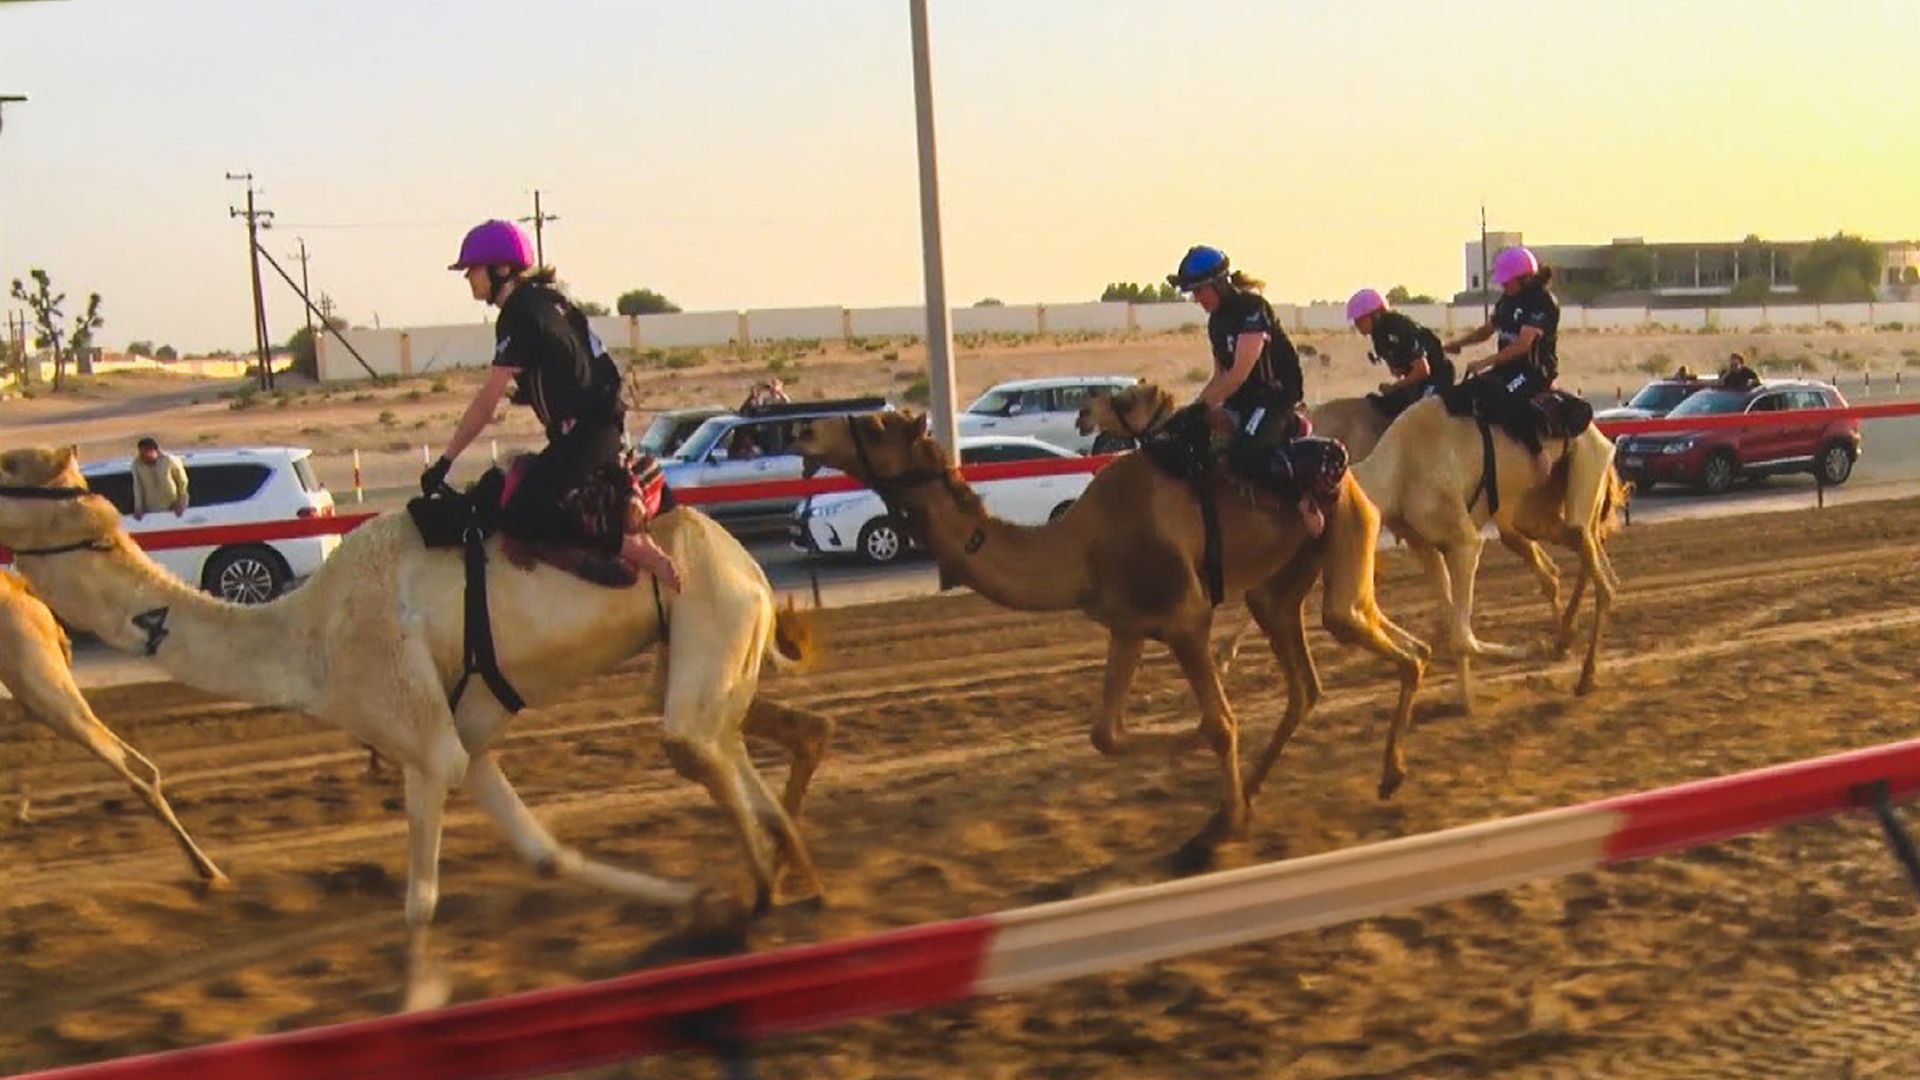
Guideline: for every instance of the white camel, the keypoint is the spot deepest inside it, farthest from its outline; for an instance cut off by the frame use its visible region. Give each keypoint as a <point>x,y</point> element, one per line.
<point>35,665</point>
<point>373,644</point>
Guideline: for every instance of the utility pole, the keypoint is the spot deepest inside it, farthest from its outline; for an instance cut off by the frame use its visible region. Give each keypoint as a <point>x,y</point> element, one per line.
<point>256,220</point>
<point>932,259</point>
<point>6,100</point>
<point>1486,287</point>
<point>539,219</point>
<point>306,291</point>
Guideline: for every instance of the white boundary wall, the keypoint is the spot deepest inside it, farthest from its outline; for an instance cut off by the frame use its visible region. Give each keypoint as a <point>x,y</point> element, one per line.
<point>420,350</point>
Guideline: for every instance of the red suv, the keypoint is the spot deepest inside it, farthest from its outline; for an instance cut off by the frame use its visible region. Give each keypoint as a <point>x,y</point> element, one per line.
<point>1711,459</point>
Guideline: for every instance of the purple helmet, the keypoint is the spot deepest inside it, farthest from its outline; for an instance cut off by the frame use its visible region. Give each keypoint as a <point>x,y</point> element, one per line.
<point>494,243</point>
<point>1365,302</point>
<point>1513,262</point>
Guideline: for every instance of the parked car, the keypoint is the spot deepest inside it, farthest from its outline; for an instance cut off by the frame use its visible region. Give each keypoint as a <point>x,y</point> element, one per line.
<point>667,430</point>
<point>735,449</point>
<point>1656,399</point>
<point>1043,409</point>
<point>1712,458</point>
<point>857,522</point>
<point>233,487</point>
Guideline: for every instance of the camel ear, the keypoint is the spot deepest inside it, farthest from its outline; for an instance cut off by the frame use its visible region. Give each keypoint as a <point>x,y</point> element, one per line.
<point>65,459</point>
<point>918,427</point>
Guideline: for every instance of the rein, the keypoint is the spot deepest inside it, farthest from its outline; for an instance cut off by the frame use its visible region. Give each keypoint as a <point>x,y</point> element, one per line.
<point>1153,423</point>
<point>888,487</point>
<point>53,494</point>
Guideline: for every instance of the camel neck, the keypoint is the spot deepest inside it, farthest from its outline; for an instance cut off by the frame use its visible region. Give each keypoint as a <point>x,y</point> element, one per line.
<point>1027,568</point>
<point>253,653</point>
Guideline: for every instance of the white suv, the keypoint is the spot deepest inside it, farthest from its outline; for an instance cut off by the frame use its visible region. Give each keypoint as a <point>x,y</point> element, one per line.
<point>1043,409</point>
<point>232,487</point>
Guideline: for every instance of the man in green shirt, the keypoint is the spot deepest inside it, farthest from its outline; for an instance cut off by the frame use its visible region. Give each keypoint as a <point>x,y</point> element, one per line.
<point>159,481</point>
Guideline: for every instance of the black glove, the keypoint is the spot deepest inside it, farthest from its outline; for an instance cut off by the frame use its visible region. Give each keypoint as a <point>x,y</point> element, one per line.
<point>435,476</point>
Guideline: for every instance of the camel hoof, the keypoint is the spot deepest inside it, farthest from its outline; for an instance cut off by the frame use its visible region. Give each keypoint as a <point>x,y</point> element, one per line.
<point>811,903</point>
<point>1390,783</point>
<point>1106,742</point>
<point>427,988</point>
<point>718,911</point>
<point>215,882</point>
<point>1584,686</point>
<point>1194,857</point>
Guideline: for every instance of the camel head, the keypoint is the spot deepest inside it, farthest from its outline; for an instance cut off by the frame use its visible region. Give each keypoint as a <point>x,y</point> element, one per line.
<point>880,450</point>
<point>26,521</point>
<point>1128,413</point>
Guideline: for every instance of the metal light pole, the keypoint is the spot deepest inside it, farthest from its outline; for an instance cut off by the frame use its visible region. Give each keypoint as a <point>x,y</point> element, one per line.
<point>939,317</point>
<point>6,100</point>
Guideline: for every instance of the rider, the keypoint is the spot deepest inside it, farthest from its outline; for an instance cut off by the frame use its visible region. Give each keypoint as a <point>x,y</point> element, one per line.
<point>542,345</point>
<point>1256,386</point>
<point>1411,352</point>
<point>1527,318</point>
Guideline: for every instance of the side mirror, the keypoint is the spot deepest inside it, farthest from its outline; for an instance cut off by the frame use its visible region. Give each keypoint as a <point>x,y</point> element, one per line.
<point>1014,409</point>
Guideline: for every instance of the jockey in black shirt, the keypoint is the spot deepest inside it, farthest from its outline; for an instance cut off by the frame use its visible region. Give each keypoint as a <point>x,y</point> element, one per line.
<point>542,344</point>
<point>1256,386</point>
<point>1411,352</point>
<point>1527,320</point>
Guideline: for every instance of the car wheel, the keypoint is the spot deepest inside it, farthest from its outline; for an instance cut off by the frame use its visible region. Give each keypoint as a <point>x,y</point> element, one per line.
<point>1716,476</point>
<point>245,575</point>
<point>881,541</point>
<point>1054,514</point>
<point>1835,464</point>
<point>1105,443</point>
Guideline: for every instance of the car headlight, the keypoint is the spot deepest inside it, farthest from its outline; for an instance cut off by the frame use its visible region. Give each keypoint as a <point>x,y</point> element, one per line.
<point>1679,446</point>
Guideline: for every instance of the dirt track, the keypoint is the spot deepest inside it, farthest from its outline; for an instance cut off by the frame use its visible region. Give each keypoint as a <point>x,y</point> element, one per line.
<point>961,781</point>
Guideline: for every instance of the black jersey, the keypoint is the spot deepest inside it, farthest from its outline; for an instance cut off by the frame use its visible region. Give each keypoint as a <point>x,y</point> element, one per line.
<point>1398,341</point>
<point>1537,308</point>
<point>562,369</point>
<point>1275,380</point>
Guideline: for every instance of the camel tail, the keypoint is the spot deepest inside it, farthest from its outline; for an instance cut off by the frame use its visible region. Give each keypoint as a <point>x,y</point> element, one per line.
<point>792,646</point>
<point>1594,491</point>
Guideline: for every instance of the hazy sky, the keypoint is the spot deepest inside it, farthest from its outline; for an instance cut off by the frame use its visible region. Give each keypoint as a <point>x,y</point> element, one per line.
<point>756,154</point>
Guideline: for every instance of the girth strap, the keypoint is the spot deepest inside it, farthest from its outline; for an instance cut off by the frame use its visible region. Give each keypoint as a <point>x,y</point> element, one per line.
<point>1489,483</point>
<point>478,655</point>
<point>1212,559</point>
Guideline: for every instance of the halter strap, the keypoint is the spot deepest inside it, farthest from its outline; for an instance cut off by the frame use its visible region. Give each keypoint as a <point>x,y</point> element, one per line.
<point>44,493</point>
<point>1152,421</point>
<point>62,549</point>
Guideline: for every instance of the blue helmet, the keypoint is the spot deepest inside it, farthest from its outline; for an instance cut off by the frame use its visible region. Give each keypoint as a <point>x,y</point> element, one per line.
<point>1200,265</point>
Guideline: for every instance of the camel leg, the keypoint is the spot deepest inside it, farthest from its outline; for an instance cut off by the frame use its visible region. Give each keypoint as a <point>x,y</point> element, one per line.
<point>803,733</point>
<point>1593,564</point>
<point>427,987</point>
<point>794,873</point>
<point>1544,572</point>
<point>1218,727</point>
<point>1123,658</point>
<point>533,843</point>
<point>1445,629</point>
<point>1227,649</point>
<point>1279,608</point>
<point>1568,616</point>
<point>1353,617</point>
<point>1463,563</point>
<point>47,693</point>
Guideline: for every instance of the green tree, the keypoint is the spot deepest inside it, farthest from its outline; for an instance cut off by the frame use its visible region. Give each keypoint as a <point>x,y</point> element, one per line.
<point>80,340</point>
<point>140,348</point>
<point>306,355</point>
<point>167,353</point>
<point>1399,295</point>
<point>991,301</point>
<point>1839,269</point>
<point>644,302</point>
<point>1750,291</point>
<point>47,318</point>
<point>1136,293</point>
<point>1630,266</point>
<point>591,308</point>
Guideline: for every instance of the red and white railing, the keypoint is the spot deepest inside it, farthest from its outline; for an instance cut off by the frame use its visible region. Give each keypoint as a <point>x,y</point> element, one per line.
<point>724,1002</point>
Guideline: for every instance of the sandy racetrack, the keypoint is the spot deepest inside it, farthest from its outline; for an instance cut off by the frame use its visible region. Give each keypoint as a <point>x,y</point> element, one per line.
<point>961,781</point>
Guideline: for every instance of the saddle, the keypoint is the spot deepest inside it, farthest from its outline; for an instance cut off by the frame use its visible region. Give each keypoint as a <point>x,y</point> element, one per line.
<point>1560,415</point>
<point>618,498</point>
<point>1302,466</point>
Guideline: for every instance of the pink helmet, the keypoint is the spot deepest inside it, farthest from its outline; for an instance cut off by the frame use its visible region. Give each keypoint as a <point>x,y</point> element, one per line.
<point>494,243</point>
<point>1513,262</point>
<point>1365,302</point>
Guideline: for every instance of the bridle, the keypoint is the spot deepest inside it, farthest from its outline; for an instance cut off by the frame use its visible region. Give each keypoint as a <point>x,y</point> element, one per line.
<point>53,494</point>
<point>1158,418</point>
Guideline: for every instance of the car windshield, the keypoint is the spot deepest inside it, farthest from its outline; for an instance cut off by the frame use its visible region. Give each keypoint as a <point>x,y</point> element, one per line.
<point>1711,403</point>
<point>1659,397</point>
<point>655,440</point>
<point>994,403</point>
<point>703,439</point>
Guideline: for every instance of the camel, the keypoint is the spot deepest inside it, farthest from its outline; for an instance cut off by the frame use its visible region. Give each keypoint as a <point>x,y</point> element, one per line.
<point>1358,425</point>
<point>373,644</point>
<point>1425,473</point>
<point>1128,553</point>
<point>35,663</point>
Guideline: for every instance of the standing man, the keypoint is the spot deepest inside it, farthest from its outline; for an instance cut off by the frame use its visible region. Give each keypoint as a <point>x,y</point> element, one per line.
<point>159,480</point>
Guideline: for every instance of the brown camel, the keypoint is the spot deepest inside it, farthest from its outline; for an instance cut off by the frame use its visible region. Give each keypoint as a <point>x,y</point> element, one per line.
<point>1141,410</point>
<point>1425,472</point>
<point>1128,553</point>
<point>35,658</point>
<point>373,644</point>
